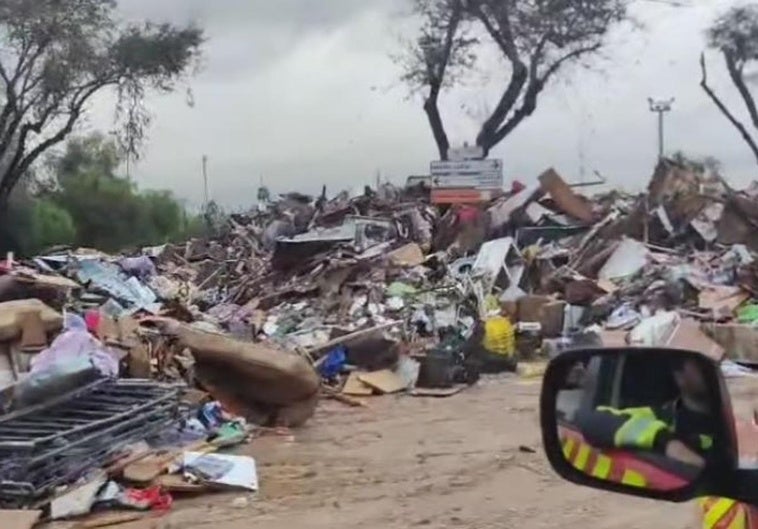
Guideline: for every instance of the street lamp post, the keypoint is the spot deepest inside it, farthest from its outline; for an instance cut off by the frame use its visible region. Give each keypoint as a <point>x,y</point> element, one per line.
<point>660,106</point>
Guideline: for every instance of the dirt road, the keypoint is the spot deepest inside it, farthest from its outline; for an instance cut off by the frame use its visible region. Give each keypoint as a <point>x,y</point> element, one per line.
<point>408,462</point>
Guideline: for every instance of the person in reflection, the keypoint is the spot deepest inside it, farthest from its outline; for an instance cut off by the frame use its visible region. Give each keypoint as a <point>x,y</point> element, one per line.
<point>681,429</point>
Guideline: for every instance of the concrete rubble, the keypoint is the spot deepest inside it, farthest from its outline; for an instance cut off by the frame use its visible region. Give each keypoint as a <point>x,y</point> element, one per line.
<point>216,340</point>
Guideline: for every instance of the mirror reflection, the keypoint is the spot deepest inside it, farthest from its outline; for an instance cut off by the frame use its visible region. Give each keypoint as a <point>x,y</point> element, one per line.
<point>640,420</point>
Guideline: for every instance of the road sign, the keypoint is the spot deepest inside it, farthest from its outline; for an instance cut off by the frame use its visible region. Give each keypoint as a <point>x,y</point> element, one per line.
<point>472,174</point>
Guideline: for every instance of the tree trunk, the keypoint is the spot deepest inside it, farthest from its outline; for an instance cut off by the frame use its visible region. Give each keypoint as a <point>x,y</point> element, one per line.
<point>7,182</point>
<point>435,122</point>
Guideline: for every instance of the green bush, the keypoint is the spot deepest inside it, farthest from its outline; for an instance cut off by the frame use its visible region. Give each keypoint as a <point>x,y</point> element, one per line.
<point>51,225</point>
<point>85,203</point>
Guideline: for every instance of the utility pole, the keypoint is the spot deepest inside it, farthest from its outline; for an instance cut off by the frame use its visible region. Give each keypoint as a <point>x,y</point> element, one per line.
<point>660,107</point>
<point>205,182</point>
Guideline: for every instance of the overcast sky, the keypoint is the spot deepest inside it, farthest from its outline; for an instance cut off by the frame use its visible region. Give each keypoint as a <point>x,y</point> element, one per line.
<point>304,93</point>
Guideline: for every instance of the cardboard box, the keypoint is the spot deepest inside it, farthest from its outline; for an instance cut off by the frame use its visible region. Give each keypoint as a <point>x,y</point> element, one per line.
<point>739,341</point>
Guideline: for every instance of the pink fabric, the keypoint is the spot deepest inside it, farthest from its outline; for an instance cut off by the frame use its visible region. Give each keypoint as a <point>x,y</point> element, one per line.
<point>92,318</point>
<point>468,215</point>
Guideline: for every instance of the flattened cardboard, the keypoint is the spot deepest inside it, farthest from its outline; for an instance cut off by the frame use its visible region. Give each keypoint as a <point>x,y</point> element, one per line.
<point>355,387</point>
<point>19,519</point>
<point>722,300</point>
<point>33,334</point>
<point>384,381</point>
<point>741,341</point>
<point>687,335</point>
<point>408,255</point>
<point>614,338</point>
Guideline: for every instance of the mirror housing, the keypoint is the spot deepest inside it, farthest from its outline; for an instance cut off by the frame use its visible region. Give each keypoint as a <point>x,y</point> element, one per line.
<point>722,479</point>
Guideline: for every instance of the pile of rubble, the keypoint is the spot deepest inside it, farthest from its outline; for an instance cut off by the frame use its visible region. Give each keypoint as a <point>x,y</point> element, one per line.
<point>145,361</point>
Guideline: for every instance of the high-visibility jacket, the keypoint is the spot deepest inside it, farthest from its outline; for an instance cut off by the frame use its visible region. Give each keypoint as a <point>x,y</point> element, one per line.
<point>618,467</point>
<point>644,428</point>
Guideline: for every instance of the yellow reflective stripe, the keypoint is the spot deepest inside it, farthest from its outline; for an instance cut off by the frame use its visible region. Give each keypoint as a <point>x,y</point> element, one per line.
<point>582,457</point>
<point>602,467</point>
<point>739,521</point>
<point>568,447</point>
<point>633,479</point>
<point>717,511</point>
<point>632,412</point>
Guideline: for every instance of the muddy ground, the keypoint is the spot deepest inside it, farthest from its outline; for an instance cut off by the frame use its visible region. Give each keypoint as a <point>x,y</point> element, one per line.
<point>407,462</point>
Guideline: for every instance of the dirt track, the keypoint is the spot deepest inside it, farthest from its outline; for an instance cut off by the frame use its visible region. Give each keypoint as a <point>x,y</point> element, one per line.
<point>408,462</point>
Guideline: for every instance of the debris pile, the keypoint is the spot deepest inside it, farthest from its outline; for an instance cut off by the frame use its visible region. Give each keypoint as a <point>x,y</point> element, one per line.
<point>344,298</point>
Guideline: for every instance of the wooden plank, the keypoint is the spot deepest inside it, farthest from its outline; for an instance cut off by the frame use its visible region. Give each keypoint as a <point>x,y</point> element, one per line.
<point>108,519</point>
<point>437,393</point>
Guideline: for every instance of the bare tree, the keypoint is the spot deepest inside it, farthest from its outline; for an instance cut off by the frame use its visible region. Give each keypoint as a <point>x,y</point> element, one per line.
<point>535,40</point>
<point>55,55</point>
<point>735,36</point>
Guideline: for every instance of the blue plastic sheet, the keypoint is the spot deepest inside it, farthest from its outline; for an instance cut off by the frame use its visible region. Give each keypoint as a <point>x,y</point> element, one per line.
<point>334,363</point>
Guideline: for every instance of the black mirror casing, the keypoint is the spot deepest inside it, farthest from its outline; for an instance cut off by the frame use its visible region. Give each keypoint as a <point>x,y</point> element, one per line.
<point>721,480</point>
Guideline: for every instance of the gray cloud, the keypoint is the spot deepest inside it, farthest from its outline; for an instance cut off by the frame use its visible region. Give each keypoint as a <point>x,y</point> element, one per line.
<point>300,14</point>
<point>290,93</point>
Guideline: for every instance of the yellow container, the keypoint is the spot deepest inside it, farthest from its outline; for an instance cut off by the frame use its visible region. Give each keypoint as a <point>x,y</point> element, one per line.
<point>499,336</point>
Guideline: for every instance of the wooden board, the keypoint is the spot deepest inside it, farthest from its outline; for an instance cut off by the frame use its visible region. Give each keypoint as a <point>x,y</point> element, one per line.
<point>177,483</point>
<point>384,381</point>
<point>19,519</point>
<point>437,393</point>
<point>355,387</point>
<point>108,519</point>
<point>51,281</point>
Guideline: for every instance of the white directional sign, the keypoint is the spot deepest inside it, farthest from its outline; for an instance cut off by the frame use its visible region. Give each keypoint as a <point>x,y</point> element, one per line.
<point>471,174</point>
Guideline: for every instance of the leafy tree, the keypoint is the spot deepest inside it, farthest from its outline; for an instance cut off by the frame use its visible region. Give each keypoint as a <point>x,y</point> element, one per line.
<point>534,39</point>
<point>735,36</point>
<point>93,154</point>
<point>55,55</point>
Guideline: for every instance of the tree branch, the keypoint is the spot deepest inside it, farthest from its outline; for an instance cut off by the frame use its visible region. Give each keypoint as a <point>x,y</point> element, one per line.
<point>20,163</point>
<point>724,110</point>
<point>569,56</point>
<point>502,35</point>
<point>536,86</point>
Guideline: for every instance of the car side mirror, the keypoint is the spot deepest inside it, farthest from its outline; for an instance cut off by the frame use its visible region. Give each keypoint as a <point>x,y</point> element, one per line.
<point>655,423</point>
